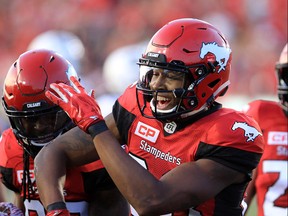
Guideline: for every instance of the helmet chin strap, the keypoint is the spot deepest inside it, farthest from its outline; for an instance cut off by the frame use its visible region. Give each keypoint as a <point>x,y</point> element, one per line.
<point>204,107</point>
<point>37,143</point>
<point>178,93</point>
<point>44,143</point>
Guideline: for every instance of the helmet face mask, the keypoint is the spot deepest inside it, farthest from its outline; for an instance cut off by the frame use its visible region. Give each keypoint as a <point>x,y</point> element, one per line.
<point>282,77</point>
<point>194,49</point>
<point>37,127</point>
<point>281,68</point>
<point>35,120</point>
<point>183,94</point>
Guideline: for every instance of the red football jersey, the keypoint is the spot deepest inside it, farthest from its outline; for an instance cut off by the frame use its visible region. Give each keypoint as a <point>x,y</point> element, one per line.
<point>75,190</point>
<point>226,136</point>
<point>271,180</point>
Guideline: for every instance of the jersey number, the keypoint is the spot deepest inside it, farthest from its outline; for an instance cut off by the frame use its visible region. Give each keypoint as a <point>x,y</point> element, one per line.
<point>276,191</point>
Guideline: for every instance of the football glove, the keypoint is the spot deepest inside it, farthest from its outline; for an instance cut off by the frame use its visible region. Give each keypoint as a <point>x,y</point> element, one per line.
<point>57,209</point>
<point>81,107</point>
<point>7,209</point>
<point>58,212</point>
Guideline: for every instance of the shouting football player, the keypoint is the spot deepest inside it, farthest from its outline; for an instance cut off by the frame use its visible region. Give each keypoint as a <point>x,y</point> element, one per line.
<point>187,154</point>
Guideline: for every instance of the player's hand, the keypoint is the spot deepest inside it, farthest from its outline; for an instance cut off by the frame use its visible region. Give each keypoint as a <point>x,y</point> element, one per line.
<point>59,212</point>
<point>81,107</point>
<point>9,209</point>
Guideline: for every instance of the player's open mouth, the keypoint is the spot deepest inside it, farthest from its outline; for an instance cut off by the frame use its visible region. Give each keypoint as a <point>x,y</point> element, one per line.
<point>162,102</point>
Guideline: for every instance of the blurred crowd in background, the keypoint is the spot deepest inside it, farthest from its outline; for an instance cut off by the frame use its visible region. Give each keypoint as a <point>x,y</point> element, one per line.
<point>256,30</point>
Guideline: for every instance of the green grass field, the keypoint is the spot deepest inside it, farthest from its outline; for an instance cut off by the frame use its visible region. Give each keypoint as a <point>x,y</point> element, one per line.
<point>252,211</point>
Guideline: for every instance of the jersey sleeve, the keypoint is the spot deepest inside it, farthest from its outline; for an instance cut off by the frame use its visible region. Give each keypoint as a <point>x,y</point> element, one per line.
<point>97,180</point>
<point>7,153</point>
<point>95,177</point>
<point>3,155</point>
<point>236,142</point>
<point>252,109</point>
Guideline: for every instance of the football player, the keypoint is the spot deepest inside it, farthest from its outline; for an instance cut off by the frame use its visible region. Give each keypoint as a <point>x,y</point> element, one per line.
<point>35,122</point>
<point>187,154</point>
<point>270,180</point>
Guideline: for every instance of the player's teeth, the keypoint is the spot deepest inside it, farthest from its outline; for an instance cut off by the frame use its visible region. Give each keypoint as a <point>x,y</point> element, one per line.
<point>162,98</point>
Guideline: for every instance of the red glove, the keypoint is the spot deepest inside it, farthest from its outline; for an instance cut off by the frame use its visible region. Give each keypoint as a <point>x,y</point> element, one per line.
<point>59,212</point>
<point>81,107</point>
<point>57,209</point>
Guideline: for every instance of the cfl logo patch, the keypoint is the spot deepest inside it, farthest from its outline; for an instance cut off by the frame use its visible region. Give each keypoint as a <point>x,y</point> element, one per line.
<point>147,132</point>
<point>170,127</point>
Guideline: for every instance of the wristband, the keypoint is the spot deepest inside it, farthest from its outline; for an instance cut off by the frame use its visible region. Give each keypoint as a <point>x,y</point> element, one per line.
<point>56,206</point>
<point>97,128</point>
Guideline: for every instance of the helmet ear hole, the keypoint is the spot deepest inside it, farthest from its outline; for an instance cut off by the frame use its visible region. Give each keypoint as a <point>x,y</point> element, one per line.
<point>214,83</point>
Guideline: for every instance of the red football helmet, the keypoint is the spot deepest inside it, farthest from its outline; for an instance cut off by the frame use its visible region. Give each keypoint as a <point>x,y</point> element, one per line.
<point>282,77</point>
<point>34,119</point>
<point>199,51</point>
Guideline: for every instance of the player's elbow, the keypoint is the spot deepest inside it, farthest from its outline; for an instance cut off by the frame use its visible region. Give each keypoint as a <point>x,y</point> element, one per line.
<point>40,160</point>
<point>146,209</point>
<point>149,206</point>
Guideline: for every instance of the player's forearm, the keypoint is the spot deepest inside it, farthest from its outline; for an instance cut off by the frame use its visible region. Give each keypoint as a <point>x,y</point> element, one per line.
<point>251,190</point>
<point>50,170</point>
<point>136,184</point>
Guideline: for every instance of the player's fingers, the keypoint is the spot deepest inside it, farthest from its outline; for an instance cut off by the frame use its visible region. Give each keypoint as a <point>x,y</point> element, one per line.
<point>92,93</point>
<point>62,94</point>
<point>76,85</point>
<point>52,97</point>
<point>67,89</point>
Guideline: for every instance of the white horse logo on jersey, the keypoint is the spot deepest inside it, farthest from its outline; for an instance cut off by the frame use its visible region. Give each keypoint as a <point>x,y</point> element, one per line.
<point>249,131</point>
<point>221,53</point>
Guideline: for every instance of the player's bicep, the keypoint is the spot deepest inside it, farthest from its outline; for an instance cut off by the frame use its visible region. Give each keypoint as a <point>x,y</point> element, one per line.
<point>199,181</point>
<point>74,148</point>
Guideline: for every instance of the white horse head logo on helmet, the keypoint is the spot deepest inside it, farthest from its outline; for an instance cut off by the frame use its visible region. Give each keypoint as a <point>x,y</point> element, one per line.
<point>221,53</point>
